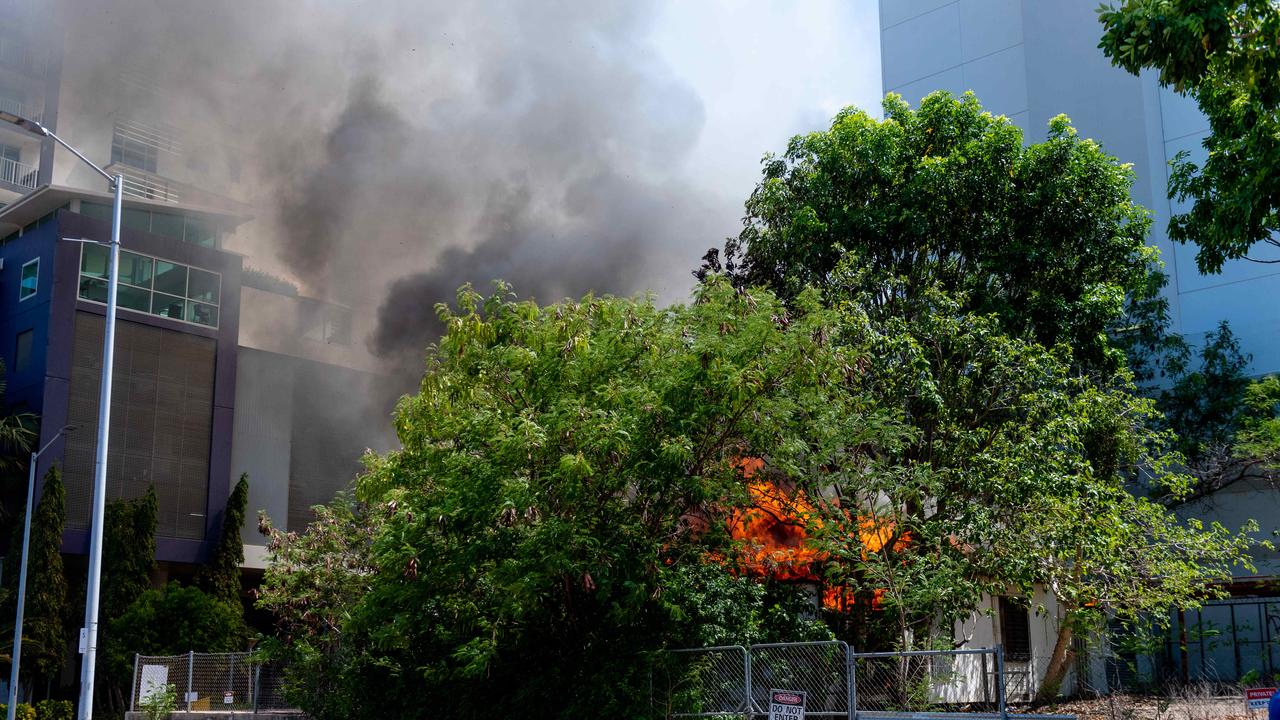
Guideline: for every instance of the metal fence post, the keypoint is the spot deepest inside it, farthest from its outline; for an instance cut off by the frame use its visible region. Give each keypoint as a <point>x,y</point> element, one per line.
<point>257,684</point>
<point>986,680</point>
<point>853,682</point>
<point>191,664</point>
<point>1000,691</point>
<point>133,691</point>
<point>746,671</point>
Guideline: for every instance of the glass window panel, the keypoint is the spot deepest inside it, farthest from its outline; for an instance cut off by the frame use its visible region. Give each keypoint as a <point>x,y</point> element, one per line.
<point>93,260</point>
<point>203,286</point>
<point>93,289</point>
<point>136,219</point>
<point>169,306</point>
<point>171,278</point>
<point>133,298</point>
<point>98,211</point>
<point>199,232</point>
<point>167,224</point>
<point>202,314</point>
<point>135,269</point>
<point>30,279</point>
<point>22,351</point>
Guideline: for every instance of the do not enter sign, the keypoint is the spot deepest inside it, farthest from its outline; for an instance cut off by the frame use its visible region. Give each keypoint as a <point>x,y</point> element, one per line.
<point>786,704</point>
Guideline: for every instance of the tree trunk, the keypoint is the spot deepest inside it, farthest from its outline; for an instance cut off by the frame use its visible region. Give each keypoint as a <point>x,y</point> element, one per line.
<point>1059,663</point>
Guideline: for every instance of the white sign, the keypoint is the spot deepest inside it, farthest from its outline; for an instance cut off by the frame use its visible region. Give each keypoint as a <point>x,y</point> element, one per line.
<point>191,697</point>
<point>153,681</point>
<point>228,698</point>
<point>1258,698</point>
<point>786,704</point>
<point>84,640</point>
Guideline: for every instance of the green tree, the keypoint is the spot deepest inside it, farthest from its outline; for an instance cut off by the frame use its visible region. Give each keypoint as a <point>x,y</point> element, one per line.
<point>561,468</point>
<point>220,577</point>
<point>128,559</point>
<point>1043,236</point>
<point>18,434</point>
<point>174,620</point>
<point>44,632</point>
<point>1226,55</point>
<point>1225,421</point>
<point>44,635</point>
<point>313,580</point>
<point>997,289</point>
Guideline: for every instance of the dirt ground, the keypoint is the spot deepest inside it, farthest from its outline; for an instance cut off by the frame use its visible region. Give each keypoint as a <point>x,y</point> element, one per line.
<point>1185,706</point>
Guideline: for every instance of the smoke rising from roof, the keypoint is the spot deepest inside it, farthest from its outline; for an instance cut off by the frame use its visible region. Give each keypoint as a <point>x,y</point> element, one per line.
<point>400,148</point>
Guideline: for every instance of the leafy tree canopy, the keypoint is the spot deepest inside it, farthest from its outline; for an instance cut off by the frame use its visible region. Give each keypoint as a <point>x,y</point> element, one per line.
<point>947,197</point>
<point>177,619</point>
<point>1225,54</point>
<point>996,290</point>
<point>565,471</point>
<point>220,577</point>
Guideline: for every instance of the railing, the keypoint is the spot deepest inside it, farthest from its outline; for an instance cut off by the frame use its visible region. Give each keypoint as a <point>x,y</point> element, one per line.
<point>147,188</point>
<point>20,55</point>
<point>16,173</point>
<point>21,109</point>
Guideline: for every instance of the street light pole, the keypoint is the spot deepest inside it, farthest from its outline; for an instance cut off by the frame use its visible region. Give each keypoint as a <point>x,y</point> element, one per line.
<point>94,585</point>
<point>88,662</point>
<point>22,578</point>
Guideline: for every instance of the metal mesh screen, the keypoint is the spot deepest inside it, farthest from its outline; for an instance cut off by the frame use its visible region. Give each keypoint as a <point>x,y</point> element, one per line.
<point>161,425</point>
<point>820,669</point>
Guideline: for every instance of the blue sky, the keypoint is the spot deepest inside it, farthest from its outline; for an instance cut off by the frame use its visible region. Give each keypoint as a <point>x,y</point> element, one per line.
<point>766,71</point>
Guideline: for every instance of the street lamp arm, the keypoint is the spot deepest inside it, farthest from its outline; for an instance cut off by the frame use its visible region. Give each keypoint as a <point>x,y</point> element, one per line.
<point>110,178</point>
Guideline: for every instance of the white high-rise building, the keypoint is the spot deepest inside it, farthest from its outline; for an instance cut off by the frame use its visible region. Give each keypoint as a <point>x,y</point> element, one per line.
<point>1031,60</point>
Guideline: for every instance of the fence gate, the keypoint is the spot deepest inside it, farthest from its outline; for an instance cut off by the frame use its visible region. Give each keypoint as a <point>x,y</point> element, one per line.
<point>821,669</point>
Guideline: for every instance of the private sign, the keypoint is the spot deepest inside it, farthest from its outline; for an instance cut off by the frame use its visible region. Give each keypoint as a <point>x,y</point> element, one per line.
<point>786,704</point>
<point>1258,698</point>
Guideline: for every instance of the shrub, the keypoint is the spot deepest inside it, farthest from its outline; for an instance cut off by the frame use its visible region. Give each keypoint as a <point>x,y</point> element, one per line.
<point>24,711</point>
<point>55,710</point>
<point>158,704</point>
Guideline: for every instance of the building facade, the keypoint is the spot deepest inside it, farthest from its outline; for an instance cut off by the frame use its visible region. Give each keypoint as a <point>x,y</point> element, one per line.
<point>220,370</point>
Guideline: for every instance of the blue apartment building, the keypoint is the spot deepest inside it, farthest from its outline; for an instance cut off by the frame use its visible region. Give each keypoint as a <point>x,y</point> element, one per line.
<point>175,369</point>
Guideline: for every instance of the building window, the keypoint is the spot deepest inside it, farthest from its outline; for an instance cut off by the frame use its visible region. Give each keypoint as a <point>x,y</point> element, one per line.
<point>151,285</point>
<point>1015,629</point>
<point>30,279</point>
<point>22,351</point>
<point>178,227</point>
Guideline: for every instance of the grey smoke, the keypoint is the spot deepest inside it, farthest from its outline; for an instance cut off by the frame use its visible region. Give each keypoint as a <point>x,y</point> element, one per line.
<point>402,148</point>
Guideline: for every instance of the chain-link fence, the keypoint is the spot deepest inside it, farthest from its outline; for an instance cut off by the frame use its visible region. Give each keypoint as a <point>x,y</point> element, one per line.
<point>735,680</point>
<point>820,669</point>
<point>209,682</point>
<point>973,680</point>
<point>702,682</point>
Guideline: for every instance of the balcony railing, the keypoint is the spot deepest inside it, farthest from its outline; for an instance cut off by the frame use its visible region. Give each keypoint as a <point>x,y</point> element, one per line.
<point>18,54</point>
<point>146,187</point>
<point>16,173</point>
<point>20,109</point>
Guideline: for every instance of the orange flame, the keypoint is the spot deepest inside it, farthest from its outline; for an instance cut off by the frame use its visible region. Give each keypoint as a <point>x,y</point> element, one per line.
<point>773,535</point>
